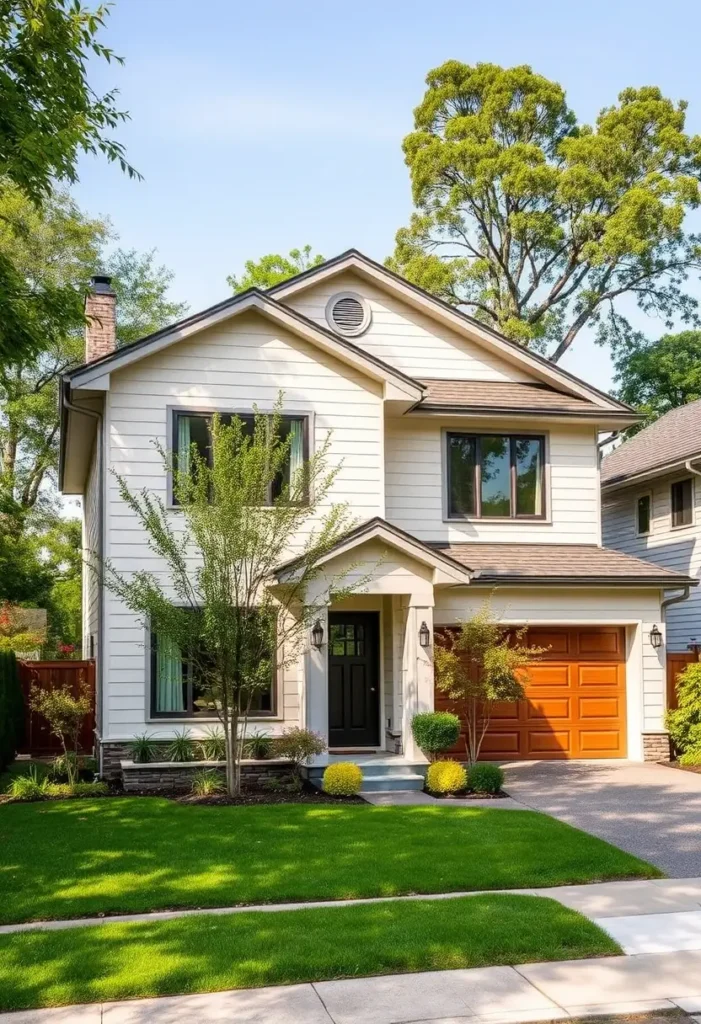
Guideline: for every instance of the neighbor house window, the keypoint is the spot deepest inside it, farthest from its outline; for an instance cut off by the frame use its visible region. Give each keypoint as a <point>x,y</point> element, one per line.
<point>178,692</point>
<point>195,428</point>
<point>495,476</point>
<point>682,498</point>
<point>643,514</point>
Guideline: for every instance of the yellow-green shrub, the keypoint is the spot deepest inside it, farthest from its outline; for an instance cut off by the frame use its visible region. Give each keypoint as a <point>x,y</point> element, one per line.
<point>342,779</point>
<point>446,777</point>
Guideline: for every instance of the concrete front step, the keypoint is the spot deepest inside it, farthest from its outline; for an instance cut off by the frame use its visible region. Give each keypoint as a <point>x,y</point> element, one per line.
<point>391,783</point>
<point>380,776</point>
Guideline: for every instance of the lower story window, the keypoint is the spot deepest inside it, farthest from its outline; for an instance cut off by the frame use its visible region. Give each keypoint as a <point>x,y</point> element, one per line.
<point>177,692</point>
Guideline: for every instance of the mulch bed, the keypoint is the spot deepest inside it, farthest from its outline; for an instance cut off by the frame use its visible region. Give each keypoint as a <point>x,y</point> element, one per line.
<point>467,794</point>
<point>257,796</point>
<point>696,768</point>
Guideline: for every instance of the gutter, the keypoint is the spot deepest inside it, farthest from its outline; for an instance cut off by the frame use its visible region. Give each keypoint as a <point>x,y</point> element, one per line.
<point>67,405</point>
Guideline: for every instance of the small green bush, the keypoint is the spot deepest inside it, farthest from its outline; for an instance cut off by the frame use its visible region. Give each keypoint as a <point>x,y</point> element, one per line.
<point>63,790</point>
<point>143,750</point>
<point>435,731</point>
<point>212,746</point>
<point>446,777</point>
<point>342,779</point>
<point>181,747</point>
<point>691,758</point>
<point>299,745</point>
<point>28,787</point>
<point>11,708</point>
<point>67,766</point>
<point>484,777</point>
<point>207,782</point>
<point>684,723</point>
<point>258,746</point>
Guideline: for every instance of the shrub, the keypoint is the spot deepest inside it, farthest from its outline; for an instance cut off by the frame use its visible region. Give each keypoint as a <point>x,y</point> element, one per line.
<point>207,782</point>
<point>446,777</point>
<point>11,708</point>
<point>213,745</point>
<point>484,777</point>
<point>142,749</point>
<point>258,746</point>
<point>28,787</point>
<point>65,714</point>
<point>67,766</point>
<point>684,723</point>
<point>435,731</point>
<point>63,790</point>
<point>691,758</point>
<point>181,747</point>
<point>342,779</point>
<point>299,745</point>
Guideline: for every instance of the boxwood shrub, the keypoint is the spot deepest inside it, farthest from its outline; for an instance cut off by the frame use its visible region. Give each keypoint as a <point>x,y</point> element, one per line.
<point>435,731</point>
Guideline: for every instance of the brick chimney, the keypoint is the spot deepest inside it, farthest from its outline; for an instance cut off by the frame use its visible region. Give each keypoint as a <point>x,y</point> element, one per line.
<point>101,314</point>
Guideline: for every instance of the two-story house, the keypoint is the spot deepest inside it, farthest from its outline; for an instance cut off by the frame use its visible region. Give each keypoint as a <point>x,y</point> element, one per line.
<point>471,466</point>
<point>651,507</point>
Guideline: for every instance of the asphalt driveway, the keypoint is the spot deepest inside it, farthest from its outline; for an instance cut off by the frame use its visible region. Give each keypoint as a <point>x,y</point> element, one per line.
<point>648,809</point>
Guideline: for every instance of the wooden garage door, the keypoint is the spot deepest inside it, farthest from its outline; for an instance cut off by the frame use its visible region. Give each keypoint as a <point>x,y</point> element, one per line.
<point>575,702</point>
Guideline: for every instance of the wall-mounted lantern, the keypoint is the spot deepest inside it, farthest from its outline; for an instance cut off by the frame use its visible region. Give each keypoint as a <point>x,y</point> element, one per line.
<point>317,635</point>
<point>424,635</point>
<point>655,637</point>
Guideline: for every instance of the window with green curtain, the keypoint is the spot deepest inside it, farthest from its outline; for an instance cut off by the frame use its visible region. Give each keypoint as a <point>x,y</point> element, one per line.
<point>170,695</point>
<point>498,476</point>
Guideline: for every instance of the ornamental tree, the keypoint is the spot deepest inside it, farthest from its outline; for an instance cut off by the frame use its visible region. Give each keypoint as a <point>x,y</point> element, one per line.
<point>217,604</point>
<point>477,664</point>
<point>539,225</point>
<point>273,269</point>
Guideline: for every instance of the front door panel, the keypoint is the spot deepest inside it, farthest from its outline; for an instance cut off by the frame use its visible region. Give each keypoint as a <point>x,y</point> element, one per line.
<point>354,707</point>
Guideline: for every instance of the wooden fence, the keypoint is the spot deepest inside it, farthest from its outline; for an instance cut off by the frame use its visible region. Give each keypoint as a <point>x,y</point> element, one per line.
<point>50,675</point>
<point>675,664</point>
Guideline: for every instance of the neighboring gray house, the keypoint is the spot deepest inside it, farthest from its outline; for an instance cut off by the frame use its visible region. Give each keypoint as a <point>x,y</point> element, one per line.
<point>651,507</point>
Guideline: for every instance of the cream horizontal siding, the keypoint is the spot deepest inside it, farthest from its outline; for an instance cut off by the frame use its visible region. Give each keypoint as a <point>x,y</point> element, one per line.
<point>416,488</point>
<point>230,367</point>
<point>678,549</point>
<point>405,338</point>
<point>638,610</point>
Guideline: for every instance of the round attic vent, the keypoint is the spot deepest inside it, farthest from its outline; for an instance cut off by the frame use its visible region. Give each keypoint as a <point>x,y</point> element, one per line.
<point>348,313</point>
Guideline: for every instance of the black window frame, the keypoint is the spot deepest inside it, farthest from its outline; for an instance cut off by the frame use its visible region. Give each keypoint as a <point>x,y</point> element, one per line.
<point>191,712</point>
<point>681,509</point>
<point>513,439</point>
<point>226,414</point>
<point>647,496</point>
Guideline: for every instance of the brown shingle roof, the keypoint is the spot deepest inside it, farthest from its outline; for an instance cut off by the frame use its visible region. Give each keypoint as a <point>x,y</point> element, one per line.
<point>556,562</point>
<point>507,396</point>
<point>672,439</point>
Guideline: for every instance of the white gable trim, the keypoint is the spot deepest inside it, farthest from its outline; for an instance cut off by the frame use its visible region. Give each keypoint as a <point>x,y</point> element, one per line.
<point>434,308</point>
<point>397,384</point>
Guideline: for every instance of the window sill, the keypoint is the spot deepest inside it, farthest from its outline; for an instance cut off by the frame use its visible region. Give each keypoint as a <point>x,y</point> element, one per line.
<point>685,526</point>
<point>500,520</point>
<point>197,719</point>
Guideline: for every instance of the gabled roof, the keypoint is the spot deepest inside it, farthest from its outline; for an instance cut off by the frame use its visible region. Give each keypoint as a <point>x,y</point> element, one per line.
<point>665,445</point>
<point>263,303</point>
<point>531,362</point>
<point>505,397</point>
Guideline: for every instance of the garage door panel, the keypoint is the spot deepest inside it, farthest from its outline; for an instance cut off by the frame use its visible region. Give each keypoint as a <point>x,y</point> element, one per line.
<point>575,703</point>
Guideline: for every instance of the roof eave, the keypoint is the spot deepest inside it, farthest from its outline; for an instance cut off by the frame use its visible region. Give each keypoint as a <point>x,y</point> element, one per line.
<point>597,415</point>
<point>664,469</point>
<point>660,582</point>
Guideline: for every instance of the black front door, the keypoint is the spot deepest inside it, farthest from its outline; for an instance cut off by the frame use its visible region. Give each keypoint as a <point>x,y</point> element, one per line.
<point>354,675</point>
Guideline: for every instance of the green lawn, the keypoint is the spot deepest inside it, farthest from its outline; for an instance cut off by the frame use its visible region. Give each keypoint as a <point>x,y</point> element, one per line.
<point>211,953</point>
<point>76,858</point>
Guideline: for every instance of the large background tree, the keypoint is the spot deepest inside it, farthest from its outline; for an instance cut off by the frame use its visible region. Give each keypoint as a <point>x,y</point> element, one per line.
<point>49,115</point>
<point>656,376</point>
<point>540,225</point>
<point>272,269</point>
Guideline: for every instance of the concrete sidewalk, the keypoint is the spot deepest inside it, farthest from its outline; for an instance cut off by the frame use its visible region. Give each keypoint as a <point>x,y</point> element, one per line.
<point>490,995</point>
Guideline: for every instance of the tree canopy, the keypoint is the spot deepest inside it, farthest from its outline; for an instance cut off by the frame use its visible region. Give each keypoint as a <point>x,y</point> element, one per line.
<point>540,225</point>
<point>272,269</point>
<point>656,376</point>
<point>141,286</point>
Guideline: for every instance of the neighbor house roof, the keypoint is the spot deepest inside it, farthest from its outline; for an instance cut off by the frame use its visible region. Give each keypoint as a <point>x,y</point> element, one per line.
<point>486,396</point>
<point>558,563</point>
<point>665,444</point>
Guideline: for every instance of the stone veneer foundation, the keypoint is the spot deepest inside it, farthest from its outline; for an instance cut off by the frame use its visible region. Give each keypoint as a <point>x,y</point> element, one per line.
<point>656,746</point>
<point>176,776</point>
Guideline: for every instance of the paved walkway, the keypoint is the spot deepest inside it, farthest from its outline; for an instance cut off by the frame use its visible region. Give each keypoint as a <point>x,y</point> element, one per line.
<point>489,995</point>
<point>648,809</point>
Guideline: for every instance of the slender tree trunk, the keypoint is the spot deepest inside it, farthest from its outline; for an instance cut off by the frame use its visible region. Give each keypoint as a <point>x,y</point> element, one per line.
<point>230,735</point>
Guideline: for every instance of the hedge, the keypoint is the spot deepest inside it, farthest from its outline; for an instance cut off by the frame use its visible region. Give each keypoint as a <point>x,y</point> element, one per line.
<point>11,708</point>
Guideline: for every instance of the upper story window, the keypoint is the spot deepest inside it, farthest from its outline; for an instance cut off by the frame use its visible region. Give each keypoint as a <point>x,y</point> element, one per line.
<point>643,514</point>
<point>195,428</point>
<point>177,689</point>
<point>495,476</point>
<point>682,501</point>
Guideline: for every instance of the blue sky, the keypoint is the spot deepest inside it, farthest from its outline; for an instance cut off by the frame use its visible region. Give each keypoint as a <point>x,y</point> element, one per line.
<point>261,127</point>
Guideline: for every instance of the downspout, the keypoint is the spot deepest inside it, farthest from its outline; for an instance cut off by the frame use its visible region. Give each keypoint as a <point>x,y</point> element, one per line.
<point>99,697</point>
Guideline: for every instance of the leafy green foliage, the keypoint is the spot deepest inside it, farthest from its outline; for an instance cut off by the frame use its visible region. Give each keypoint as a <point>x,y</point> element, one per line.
<point>259,746</point>
<point>65,766</point>
<point>484,777</point>
<point>538,224</point>
<point>28,787</point>
<point>11,708</point>
<point>143,749</point>
<point>141,286</point>
<point>446,777</point>
<point>227,622</point>
<point>684,722</point>
<point>656,376</point>
<point>342,779</point>
<point>65,714</point>
<point>181,747</point>
<point>32,787</point>
<point>208,782</point>
<point>213,745</point>
<point>299,746</point>
<point>273,269</point>
<point>691,758</point>
<point>478,664</point>
<point>435,731</point>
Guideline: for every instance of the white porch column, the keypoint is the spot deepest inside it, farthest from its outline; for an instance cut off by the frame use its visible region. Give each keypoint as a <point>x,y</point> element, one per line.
<point>417,674</point>
<point>317,684</point>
